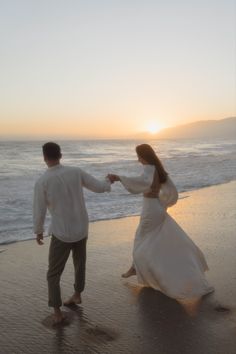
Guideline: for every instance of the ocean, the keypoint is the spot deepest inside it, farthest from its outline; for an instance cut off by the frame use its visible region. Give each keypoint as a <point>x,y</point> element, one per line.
<point>192,164</point>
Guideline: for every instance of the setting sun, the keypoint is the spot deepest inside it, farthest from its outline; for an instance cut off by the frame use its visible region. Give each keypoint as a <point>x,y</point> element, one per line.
<point>153,128</point>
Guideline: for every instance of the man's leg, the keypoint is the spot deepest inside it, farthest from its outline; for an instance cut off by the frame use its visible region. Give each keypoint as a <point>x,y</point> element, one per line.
<point>58,254</point>
<point>79,259</point>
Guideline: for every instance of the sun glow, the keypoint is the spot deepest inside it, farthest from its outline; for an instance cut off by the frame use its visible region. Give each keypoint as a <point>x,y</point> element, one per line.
<point>153,128</point>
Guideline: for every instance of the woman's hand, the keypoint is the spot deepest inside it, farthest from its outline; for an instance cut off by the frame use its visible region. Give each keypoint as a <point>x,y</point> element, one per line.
<point>113,178</point>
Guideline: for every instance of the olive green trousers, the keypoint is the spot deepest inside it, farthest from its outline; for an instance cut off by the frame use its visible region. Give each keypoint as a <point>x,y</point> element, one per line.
<point>59,252</point>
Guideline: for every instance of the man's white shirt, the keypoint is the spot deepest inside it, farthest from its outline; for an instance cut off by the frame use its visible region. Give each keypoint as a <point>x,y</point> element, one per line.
<point>60,190</point>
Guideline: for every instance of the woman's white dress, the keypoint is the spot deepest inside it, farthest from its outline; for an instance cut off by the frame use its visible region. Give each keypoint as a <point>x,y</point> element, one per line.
<point>165,258</point>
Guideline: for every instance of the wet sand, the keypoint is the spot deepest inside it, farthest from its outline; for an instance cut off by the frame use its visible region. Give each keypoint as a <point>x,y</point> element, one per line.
<point>118,316</point>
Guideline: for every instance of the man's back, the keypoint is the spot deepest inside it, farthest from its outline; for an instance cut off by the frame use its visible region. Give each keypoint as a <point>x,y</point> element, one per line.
<point>60,190</point>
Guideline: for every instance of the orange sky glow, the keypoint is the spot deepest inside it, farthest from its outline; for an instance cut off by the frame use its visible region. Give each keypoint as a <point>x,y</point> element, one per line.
<point>84,71</point>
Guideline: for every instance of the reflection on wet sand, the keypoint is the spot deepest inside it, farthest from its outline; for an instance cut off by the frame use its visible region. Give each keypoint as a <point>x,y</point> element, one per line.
<point>190,306</point>
<point>164,321</point>
<point>85,331</point>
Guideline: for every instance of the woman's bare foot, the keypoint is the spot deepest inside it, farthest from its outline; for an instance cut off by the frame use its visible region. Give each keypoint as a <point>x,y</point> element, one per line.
<point>58,317</point>
<point>129,273</point>
<point>73,300</point>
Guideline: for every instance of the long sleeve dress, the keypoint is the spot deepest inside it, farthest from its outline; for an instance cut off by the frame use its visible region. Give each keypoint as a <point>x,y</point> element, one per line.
<point>165,258</point>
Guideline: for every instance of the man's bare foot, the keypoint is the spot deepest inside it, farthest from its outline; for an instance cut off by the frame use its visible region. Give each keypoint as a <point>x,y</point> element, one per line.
<point>58,317</point>
<point>73,300</point>
<point>129,273</point>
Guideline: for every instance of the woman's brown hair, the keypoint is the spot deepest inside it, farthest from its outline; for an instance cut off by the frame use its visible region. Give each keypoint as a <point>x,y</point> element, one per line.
<point>147,153</point>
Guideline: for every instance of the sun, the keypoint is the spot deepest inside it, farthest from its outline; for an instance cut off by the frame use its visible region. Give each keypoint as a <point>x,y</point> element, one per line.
<point>153,128</point>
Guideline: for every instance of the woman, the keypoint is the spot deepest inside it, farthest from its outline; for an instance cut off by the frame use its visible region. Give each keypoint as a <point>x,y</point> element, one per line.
<point>164,257</point>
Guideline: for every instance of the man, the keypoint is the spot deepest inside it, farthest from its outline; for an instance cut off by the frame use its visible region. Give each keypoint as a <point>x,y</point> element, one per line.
<point>60,190</point>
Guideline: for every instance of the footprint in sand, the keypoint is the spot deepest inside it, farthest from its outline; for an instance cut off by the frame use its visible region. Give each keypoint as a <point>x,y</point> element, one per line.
<point>48,321</point>
<point>220,308</point>
<point>101,333</point>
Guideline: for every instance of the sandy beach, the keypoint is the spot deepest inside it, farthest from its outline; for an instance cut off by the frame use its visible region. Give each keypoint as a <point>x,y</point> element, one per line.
<point>117,315</point>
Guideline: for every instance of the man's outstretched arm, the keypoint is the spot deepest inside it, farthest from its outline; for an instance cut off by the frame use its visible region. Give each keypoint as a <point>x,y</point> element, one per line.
<point>94,184</point>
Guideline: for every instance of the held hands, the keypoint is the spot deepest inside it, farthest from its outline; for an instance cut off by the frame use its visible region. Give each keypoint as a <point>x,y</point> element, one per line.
<point>39,239</point>
<point>113,178</point>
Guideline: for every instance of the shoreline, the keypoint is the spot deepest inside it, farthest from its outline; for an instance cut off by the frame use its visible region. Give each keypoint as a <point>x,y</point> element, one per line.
<point>182,195</point>
<point>117,315</point>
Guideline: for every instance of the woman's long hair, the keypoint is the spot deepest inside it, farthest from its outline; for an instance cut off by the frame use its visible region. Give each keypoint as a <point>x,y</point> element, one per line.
<point>147,153</point>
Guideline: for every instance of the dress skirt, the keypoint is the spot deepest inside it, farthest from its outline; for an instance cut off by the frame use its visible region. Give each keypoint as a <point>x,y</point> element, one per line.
<point>165,258</point>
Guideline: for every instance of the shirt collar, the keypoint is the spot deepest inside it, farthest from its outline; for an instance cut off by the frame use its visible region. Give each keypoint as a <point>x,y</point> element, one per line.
<point>54,167</point>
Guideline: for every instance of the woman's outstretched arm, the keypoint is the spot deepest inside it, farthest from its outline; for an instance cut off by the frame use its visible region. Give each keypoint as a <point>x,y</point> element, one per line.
<point>137,184</point>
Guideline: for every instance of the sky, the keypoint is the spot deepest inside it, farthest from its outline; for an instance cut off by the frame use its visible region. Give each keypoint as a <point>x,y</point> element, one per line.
<point>114,68</point>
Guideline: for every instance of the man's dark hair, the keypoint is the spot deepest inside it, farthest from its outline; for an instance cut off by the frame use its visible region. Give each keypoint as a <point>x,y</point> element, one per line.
<point>51,151</point>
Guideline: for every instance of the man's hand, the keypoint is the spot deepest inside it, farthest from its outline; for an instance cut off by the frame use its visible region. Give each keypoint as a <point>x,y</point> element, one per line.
<point>113,178</point>
<point>39,239</point>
